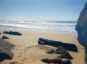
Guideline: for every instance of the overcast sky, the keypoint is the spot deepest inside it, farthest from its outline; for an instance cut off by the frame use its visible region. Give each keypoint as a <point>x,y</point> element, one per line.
<point>56,9</point>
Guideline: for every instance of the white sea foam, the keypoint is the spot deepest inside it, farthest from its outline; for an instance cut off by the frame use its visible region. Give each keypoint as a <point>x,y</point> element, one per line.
<point>68,27</point>
<point>58,26</point>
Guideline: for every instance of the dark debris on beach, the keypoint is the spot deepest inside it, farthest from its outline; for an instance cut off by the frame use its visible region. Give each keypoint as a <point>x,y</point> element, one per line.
<point>62,51</point>
<point>66,46</point>
<point>12,33</point>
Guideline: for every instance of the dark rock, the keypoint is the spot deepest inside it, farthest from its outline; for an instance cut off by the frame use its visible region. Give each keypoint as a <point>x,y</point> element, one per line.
<point>52,61</point>
<point>70,47</point>
<point>66,46</point>
<point>5,56</point>
<point>12,32</point>
<point>50,51</point>
<point>66,62</point>
<point>60,50</point>
<point>56,61</point>
<point>66,56</point>
<point>5,37</point>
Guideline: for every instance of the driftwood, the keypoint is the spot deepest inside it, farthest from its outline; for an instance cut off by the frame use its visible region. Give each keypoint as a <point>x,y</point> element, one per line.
<point>66,46</point>
<point>12,33</point>
<point>56,61</point>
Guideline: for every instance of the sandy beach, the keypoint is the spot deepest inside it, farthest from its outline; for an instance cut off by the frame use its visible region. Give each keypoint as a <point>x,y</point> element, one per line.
<point>27,51</point>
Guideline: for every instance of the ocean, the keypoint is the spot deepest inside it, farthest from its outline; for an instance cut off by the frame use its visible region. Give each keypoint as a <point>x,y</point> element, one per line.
<point>52,26</point>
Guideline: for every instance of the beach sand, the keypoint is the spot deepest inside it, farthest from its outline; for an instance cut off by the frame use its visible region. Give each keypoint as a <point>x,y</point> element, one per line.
<point>26,49</point>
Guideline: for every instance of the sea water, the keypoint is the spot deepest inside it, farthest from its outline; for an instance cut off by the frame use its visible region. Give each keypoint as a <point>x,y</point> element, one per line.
<point>52,26</point>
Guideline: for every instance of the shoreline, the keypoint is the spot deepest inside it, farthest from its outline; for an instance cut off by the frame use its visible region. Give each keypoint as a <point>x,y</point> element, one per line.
<point>53,30</point>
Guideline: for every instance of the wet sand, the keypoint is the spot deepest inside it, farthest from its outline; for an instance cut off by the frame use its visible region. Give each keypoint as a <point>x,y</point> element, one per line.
<point>26,49</point>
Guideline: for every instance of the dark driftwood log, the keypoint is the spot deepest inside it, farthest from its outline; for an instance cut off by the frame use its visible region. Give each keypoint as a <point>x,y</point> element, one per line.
<point>66,46</point>
<point>12,32</point>
<point>56,61</point>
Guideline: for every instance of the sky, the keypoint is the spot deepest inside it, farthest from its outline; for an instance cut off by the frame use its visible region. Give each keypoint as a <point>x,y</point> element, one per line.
<point>53,9</point>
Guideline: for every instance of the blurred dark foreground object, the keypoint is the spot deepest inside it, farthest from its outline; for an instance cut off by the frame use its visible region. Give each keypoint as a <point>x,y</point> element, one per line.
<point>5,56</point>
<point>66,46</point>
<point>56,61</point>
<point>81,29</point>
<point>12,33</point>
